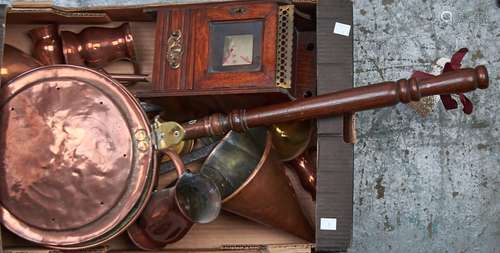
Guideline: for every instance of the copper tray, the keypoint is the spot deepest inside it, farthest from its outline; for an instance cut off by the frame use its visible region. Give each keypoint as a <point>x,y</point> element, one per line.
<point>76,157</point>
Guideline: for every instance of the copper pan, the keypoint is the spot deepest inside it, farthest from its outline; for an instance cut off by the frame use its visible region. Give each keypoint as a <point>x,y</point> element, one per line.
<point>253,182</point>
<point>46,45</point>
<point>96,47</point>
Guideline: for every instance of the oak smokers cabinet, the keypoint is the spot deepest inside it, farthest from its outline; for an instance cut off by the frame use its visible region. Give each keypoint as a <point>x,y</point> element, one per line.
<point>231,48</point>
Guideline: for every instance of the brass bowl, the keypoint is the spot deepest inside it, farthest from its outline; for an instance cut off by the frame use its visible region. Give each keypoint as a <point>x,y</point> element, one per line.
<point>291,139</point>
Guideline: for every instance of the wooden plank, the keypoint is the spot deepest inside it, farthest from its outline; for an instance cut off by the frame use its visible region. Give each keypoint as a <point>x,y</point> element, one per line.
<point>335,158</point>
<point>334,197</point>
<point>331,44</point>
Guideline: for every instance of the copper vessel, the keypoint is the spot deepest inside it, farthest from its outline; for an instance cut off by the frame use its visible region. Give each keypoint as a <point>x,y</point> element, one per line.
<point>77,157</point>
<point>15,62</point>
<point>253,182</point>
<point>96,47</point>
<point>305,169</point>
<point>47,46</point>
<point>171,212</point>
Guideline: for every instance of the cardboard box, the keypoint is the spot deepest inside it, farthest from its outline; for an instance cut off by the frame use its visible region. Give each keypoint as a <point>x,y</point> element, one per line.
<point>227,233</point>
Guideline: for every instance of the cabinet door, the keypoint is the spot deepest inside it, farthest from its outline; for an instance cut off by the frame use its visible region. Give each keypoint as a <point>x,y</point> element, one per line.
<point>236,46</point>
<point>172,70</point>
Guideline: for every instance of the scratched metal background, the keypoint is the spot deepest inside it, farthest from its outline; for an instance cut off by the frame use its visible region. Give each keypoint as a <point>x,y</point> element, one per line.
<point>427,184</point>
<point>421,184</point>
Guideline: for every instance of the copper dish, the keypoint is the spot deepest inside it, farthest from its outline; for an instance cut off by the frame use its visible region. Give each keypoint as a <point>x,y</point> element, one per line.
<point>96,47</point>
<point>46,45</point>
<point>53,189</point>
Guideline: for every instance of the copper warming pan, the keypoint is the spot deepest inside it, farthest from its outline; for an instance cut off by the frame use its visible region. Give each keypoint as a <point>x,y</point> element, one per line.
<point>77,157</point>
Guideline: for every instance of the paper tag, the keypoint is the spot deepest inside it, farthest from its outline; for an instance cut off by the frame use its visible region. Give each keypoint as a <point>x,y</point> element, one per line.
<point>342,29</point>
<point>328,224</point>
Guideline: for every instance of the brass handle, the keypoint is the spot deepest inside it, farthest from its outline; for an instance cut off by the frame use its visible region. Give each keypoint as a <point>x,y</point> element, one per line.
<point>174,51</point>
<point>238,11</point>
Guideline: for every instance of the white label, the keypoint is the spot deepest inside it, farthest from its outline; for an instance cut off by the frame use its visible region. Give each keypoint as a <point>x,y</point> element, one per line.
<point>328,224</point>
<point>342,29</point>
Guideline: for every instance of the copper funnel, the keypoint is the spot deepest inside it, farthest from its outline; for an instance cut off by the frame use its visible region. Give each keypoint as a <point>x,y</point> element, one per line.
<point>96,47</point>
<point>47,45</point>
<point>16,62</point>
<point>253,182</point>
<point>291,139</point>
<point>171,212</point>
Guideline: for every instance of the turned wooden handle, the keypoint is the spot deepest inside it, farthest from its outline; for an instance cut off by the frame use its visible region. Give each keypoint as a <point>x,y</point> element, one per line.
<point>341,102</point>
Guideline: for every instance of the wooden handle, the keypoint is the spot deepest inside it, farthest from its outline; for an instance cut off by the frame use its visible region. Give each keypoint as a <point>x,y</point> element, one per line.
<point>341,102</point>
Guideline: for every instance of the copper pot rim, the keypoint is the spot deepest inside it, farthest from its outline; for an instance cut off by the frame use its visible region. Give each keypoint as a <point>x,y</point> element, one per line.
<point>147,186</point>
<point>265,155</point>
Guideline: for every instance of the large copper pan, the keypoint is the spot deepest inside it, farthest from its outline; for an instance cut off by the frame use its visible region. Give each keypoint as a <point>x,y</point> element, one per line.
<point>77,157</point>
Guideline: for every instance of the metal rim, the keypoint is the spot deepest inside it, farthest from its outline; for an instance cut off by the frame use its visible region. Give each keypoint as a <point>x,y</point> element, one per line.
<point>266,152</point>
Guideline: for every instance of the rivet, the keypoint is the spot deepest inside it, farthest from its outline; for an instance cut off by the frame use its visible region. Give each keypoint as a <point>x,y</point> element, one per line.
<point>142,146</point>
<point>141,135</point>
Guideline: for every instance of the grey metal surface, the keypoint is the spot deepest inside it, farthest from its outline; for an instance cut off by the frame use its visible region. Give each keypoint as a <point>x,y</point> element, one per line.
<point>426,184</point>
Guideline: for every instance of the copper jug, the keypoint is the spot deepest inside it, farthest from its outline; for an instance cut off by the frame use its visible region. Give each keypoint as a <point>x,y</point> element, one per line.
<point>171,212</point>
<point>96,47</point>
<point>46,45</point>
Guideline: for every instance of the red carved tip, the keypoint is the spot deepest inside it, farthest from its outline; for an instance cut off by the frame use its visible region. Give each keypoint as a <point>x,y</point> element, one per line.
<point>482,77</point>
